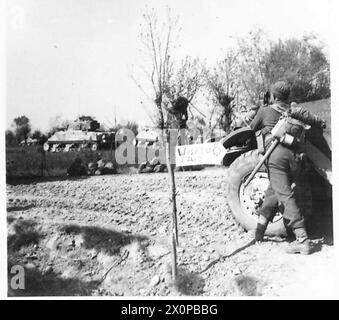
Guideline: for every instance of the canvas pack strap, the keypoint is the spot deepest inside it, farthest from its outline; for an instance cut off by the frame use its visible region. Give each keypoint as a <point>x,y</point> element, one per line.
<point>299,123</point>
<point>291,120</point>
<point>278,108</point>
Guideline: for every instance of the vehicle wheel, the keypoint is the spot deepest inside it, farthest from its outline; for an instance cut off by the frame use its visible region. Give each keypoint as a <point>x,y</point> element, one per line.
<point>58,147</point>
<point>67,147</point>
<point>46,146</point>
<point>245,202</point>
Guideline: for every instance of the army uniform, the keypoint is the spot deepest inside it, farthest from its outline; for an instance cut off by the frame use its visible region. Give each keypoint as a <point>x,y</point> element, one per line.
<point>282,167</point>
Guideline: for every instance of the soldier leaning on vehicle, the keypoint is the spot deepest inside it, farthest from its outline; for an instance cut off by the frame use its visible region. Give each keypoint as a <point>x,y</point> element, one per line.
<point>282,167</point>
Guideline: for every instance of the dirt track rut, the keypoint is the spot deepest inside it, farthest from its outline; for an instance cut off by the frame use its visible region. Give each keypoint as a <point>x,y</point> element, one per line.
<point>68,233</point>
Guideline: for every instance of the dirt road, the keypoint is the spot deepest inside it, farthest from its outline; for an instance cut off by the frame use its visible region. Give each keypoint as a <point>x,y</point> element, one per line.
<point>108,235</point>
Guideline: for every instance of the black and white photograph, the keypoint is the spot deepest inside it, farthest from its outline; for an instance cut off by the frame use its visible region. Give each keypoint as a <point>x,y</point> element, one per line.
<point>168,150</point>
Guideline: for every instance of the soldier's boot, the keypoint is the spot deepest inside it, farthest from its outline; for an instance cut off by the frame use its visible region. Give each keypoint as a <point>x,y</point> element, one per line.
<point>302,244</point>
<point>260,229</point>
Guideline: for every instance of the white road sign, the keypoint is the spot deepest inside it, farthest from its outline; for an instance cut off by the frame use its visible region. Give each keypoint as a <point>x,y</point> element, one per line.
<point>199,154</point>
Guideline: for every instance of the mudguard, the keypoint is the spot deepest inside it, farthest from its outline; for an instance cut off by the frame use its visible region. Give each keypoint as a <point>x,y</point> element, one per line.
<point>238,137</point>
<point>238,142</point>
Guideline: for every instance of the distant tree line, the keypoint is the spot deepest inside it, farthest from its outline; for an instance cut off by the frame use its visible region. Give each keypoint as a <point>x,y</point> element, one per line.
<point>22,131</point>
<point>249,69</point>
<point>246,71</point>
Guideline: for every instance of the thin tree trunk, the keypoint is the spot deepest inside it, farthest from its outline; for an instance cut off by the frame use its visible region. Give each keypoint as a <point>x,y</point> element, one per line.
<point>42,164</point>
<point>174,208</point>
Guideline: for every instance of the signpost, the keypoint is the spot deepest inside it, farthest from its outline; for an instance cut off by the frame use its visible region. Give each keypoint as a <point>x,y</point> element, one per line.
<point>188,155</point>
<point>198,154</point>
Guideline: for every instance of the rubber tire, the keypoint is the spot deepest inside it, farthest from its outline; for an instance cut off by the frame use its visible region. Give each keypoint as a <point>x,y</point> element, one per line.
<point>46,146</point>
<point>239,169</point>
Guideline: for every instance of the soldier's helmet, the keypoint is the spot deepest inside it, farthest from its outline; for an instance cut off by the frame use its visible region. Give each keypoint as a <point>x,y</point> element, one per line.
<point>293,105</point>
<point>281,90</point>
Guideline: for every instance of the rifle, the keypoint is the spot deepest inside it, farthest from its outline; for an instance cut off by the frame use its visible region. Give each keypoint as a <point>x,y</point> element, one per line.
<point>280,135</point>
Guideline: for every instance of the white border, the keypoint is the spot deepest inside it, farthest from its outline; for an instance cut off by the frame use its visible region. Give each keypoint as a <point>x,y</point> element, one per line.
<point>334,55</point>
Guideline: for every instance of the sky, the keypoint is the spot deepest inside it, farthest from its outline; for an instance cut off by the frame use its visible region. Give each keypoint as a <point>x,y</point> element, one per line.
<point>71,57</point>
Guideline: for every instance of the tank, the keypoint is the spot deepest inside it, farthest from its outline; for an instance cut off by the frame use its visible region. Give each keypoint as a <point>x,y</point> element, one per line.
<point>83,133</point>
<point>148,136</point>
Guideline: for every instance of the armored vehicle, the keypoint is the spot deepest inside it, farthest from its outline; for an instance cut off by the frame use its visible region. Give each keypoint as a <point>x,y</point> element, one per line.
<point>147,137</point>
<point>244,202</point>
<point>240,153</point>
<point>84,132</point>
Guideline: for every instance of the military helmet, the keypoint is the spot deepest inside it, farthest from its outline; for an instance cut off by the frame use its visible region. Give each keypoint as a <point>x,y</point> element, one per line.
<point>293,104</point>
<point>281,90</point>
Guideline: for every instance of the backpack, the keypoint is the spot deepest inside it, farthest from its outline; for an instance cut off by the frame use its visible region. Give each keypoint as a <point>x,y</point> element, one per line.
<point>288,130</point>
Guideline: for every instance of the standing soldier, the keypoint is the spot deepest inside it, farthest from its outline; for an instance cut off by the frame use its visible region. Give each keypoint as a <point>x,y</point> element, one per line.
<point>282,167</point>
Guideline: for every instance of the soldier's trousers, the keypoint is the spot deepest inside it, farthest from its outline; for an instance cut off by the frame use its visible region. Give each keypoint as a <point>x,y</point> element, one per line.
<point>282,165</point>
